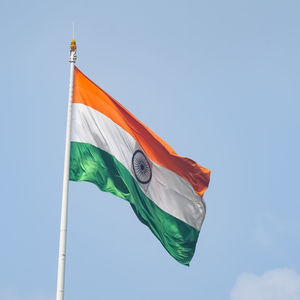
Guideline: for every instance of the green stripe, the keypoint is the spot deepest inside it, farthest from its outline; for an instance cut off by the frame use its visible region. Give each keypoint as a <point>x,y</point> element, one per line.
<point>89,163</point>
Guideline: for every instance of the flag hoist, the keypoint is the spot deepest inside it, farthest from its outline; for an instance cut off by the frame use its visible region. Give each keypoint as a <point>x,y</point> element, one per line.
<point>64,205</point>
<point>109,147</point>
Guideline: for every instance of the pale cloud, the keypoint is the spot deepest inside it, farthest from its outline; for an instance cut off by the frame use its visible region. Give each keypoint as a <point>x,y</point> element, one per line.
<point>277,284</point>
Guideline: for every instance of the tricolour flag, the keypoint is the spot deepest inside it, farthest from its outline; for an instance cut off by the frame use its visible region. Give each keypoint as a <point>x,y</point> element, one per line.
<point>112,149</point>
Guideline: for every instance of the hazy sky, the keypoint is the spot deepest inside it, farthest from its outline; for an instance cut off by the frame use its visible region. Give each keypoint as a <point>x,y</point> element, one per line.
<point>219,81</point>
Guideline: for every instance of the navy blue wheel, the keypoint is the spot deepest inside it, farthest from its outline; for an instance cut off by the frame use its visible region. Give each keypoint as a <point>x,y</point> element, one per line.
<point>141,167</point>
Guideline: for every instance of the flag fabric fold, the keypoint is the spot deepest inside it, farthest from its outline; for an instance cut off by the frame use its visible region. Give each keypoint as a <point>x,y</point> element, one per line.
<point>114,150</point>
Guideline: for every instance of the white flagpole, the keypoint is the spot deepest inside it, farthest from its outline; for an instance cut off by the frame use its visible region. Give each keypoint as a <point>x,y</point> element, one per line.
<point>64,204</point>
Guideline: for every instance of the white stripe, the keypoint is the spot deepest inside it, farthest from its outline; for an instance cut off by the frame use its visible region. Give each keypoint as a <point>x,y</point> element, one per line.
<point>166,189</point>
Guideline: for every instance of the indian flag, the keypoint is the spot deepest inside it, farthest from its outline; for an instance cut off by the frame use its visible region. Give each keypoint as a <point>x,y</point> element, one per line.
<point>112,149</point>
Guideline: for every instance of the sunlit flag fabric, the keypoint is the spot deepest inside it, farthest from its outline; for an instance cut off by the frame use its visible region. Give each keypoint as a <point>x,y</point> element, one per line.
<point>112,149</point>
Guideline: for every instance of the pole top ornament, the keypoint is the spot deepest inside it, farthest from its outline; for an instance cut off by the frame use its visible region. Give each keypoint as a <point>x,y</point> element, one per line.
<point>73,55</point>
<point>73,45</point>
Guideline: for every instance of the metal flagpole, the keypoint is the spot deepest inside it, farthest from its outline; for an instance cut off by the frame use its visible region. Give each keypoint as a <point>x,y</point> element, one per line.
<point>64,205</point>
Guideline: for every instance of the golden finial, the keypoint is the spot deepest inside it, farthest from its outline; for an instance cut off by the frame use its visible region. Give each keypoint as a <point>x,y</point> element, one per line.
<point>73,45</point>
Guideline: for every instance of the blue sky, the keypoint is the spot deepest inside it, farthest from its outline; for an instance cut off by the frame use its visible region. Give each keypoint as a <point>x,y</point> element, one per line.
<point>219,81</point>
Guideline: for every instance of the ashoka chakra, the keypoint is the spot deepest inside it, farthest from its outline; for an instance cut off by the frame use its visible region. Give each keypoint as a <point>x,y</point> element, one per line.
<point>141,167</point>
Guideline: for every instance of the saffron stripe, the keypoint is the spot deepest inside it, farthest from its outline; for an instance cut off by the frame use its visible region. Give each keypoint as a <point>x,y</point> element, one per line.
<point>88,93</point>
